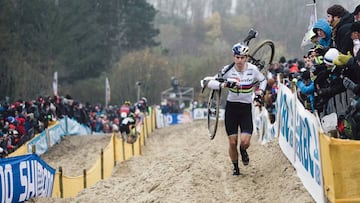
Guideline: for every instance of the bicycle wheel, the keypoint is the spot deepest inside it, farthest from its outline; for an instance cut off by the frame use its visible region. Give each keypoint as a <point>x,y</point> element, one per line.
<point>262,55</point>
<point>213,112</point>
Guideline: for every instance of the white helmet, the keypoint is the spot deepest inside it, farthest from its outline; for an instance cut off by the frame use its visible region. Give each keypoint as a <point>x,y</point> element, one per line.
<point>330,56</point>
<point>240,49</point>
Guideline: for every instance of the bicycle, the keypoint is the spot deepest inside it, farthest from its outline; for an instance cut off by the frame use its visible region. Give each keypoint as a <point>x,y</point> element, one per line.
<point>130,128</point>
<point>261,56</point>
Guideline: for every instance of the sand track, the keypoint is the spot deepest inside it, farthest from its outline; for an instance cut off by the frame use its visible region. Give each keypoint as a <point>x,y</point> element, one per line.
<point>180,164</point>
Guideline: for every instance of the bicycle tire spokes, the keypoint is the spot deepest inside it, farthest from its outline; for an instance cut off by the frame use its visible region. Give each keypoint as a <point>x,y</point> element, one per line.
<point>213,112</point>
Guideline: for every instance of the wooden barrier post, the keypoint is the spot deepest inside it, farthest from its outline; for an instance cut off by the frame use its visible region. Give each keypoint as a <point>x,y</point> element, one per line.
<point>114,147</point>
<point>61,182</point>
<point>132,149</point>
<point>145,124</point>
<point>84,175</point>
<point>140,151</point>
<point>143,132</point>
<point>152,119</point>
<point>123,149</point>
<point>47,137</point>
<point>66,126</point>
<point>102,164</point>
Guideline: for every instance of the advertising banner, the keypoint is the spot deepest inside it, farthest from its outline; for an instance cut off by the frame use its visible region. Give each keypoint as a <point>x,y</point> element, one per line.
<point>24,177</point>
<point>307,146</point>
<point>299,141</point>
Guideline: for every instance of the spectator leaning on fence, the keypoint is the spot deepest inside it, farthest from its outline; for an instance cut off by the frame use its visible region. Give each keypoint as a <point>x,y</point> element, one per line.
<point>323,31</point>
<point>340,20</point>
<point>306,89</point>
<point>329,86</point>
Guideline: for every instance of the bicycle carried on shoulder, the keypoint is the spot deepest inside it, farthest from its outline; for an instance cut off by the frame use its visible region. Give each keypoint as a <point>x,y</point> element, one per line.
<point>261,56</point>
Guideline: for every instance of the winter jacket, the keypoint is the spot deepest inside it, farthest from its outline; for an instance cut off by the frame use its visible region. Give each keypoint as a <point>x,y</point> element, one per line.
<point>324,26</point>
<point>342,34</point>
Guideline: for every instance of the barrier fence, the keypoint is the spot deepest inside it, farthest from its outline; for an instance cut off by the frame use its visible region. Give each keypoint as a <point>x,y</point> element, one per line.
<point>63,185</point>
<point>115,152</point>
<point>328,167</point>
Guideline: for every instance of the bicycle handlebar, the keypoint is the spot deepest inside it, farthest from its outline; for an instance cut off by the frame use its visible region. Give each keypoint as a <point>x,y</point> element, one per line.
<point>251,35</point>
<point>206,80</point>
<point>219,79</point>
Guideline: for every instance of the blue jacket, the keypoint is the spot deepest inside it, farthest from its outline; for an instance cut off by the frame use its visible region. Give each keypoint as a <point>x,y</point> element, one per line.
<point>324,26</point>
<point>307,90</point>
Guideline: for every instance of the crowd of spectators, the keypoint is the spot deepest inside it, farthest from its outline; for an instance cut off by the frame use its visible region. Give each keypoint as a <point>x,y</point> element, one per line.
<point>327,78</point>
<point>21,120</point>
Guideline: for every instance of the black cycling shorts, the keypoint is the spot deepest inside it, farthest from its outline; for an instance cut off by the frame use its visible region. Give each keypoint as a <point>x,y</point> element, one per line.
<point>238,114</point>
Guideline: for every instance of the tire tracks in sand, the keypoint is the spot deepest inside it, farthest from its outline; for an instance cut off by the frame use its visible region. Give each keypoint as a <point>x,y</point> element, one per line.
<point>180,164</point>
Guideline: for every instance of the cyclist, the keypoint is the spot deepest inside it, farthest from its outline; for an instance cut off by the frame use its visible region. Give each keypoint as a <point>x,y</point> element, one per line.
<point>128,126</point>
<point>125,110</point>
<point>142,105</point>
<point>238,109</point>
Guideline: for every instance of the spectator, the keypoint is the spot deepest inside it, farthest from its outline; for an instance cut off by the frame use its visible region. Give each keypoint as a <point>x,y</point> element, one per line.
<point>30,124</point>
<point>275,69</point>
<point>59,106</point>
<point>282,62</point>
<point>315,58</point>
<point>99,124</point>
<point>142,105</point>
<point>308,61</point>
<point>355,36</point>
<point>356,13</point>
<point>20,121</point>
<point>115,125</point>
<point>125,109</point>
<point>340,20</point>
<point>80,115</point>
<point>353,65</point>
<point>323,31</point>
<point>314,38</point>
<point>293,66</point>
<point>329,88</point>
<point>110,112</point>
<point>306,90</point>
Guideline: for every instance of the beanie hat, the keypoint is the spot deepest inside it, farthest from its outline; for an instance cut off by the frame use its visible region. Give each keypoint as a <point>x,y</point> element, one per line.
<point>355,26</point>
<point>286,72</point>
<point>282,59</point>
<point>310,51</point>
<point>330,56</point>
<point>336,10</point>
<point>305,75</point>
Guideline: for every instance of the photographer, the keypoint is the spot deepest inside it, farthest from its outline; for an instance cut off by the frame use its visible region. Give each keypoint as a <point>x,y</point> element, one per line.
<point>330,93</point>
<point>306,88</point>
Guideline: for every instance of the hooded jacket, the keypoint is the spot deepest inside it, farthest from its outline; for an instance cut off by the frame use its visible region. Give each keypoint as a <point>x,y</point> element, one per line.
<point>324,26</point>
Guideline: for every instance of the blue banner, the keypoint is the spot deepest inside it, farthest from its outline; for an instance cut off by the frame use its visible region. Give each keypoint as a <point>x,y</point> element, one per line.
<point>177,118</point>
<point>24,177</point>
